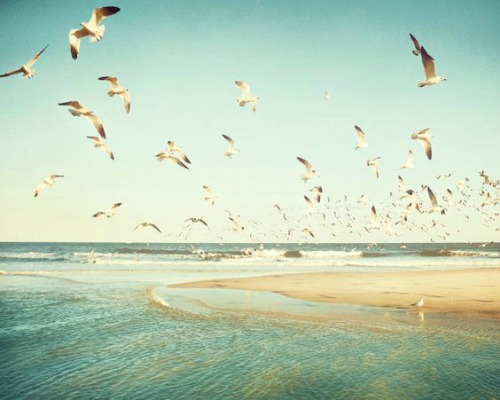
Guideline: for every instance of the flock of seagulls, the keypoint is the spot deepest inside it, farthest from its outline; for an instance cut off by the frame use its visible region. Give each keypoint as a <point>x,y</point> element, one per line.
<point>405,199</point>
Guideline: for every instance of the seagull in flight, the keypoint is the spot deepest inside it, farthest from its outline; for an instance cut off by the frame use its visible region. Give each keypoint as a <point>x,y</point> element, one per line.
<point>373,165</point>
<point>409,161</point>
<point>425,139</point>
<point>246,96</point>
<point>316,193</point>
<point>101,144</point>
<point>429,69</point>
<point>197,220</point>
<point>416,44</point>
<point>361,138</point>
<point>90,28</point>
<point>209,195</point>
<point>435,206</point>
<point>420,302</point>
<point>167,155</point>
<point>326,96</point>
<point>47,182</point>
<point>146,224</point>
<point>79,110</point>
<point>109,213</point>
<point>310,172</point>
<point>232,150</point>
<point>26,69</point>
<point>173,148</point>
<point>116,89</point>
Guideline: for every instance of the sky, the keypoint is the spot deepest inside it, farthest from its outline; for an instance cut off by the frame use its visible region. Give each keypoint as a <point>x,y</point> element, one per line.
<point>179,61</point>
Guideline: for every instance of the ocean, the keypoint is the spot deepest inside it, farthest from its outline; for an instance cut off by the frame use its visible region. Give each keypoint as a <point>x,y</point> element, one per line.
<point>99,320</point>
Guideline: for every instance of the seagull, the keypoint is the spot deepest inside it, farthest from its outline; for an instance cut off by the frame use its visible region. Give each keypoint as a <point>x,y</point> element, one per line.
<point>167,155</point>
<point>429,69</point>
<point>309,232</point>
<point>47,182</point>
<point>309,204</point>
<point>91,28</point>
<point>373,165</point>
<point>232,150</point>
<point>115,88</point>
<point>310,172</point>
<point>409,161</point>
<point>373,214</point>
<point>101,144</point>
<point>435,206</point>
<point>401,182</point>
<point>361,138</point>
<point>107,214</point>
<point>79,110</point>
<point>209,195</point>
<point>197,220</point>
<point>146,224</point>
<point>317,191</point>
<point>246,96</point>
<point>26,68</point>
<point>420,302</point>
<point>326,96</point>
<point>425,140</point>
<point>417,45</point>
<point>173,148</point>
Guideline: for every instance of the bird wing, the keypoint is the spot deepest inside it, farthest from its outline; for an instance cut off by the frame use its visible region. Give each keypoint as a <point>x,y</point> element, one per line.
<point>74,41</point>
<point>126,101</point>
<point>116,205</point>
<point>35,57</point>
<point>98,214</point>
<point>54,176</point>
<point>432,197</point>
<point>97,124</point>
<point>113,80</point>
<point>73,103</point>
<point>306,163</point>
<point>373,213</point>
<point>374,168</point>
<point>245,87</point>
<point>360,133</point>
<point>415,42</point>
<point>16,71</point>
<point>427,147</point>
<point>154,226</point>
<point>177,161</point>
<point>108,151</point>
<point>410,156</point>
<point>428,62</point>
<point>96,140</point>
<point>308,200</point>
<point>39,188</point>
<point>229,140</point>
<point>98,14</point>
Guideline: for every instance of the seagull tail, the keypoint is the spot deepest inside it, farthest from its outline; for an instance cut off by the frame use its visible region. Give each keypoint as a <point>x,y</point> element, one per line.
<point>99,34</point>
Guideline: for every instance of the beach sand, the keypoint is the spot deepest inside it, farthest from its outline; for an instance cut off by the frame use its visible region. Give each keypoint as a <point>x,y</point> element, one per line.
<point>473,292</point>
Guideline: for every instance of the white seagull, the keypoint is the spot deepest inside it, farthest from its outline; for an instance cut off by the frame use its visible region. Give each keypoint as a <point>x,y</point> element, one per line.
<point>79,110</point>
<point>420,302</point>
<point>209,195</point>
<point>429,69</point>
<point>109,213</point>
<point>47,182</point>
<point>173,148</point>
<point>317,191</point>
<point>167,155</point>
<point>116,89</point>
<point>310,172</point>
<point>361,138</point>
<point>435,206</point>
<point>373,165</point>
<point>146,224</point>
<point>326,96</point>
<point>409,161</point>
<point>232,150</point>
<point>91,28</point>
<point>246,96</point>
<point>425,139</point>
<point>416,44</point>
<point>101,144</point>
<point>26,69</point>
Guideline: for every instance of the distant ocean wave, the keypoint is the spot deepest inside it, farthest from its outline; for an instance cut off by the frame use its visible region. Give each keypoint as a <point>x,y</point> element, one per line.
<point>459,253</point>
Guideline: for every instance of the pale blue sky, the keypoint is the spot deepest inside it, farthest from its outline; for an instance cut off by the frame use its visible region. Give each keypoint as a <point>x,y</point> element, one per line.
<point>179,60</point>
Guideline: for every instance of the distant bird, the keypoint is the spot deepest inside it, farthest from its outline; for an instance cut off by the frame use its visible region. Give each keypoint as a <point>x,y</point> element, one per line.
<point>326,96</point>
<point>147,224</point>
<point>429,69</point>
<point>317,191</point>
<point>26,69</point>
<point>409,161</point>
<point>435,206</point>
<point>401,182</point>
<point>309,204</point>
<point>362,199</point>
<point>47,182</point>
<point>246,96</point>
<point>373,165</point>
<point>116,89</point>
<point>416,44</point>
<point>232,150</point>
<point>109,213</point>
<point>425,141</point>
<point>91,28</point>
<point>310,172</point>
<point>101,144</point>
<point>167,155</point>
<point>361,138</point>
<point>420,302</point>
<point>79,110</point>
<point>209,195</point>
<point>373,214</point>
<point>176,149</point>
<point>308,232</point>
<point>197,220</point>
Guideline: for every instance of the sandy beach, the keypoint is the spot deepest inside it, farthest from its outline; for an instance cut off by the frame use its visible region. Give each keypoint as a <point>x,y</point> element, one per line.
<point>473,292</point>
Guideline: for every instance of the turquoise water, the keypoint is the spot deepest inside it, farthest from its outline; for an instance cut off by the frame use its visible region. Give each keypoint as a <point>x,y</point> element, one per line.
<point>97,321</point>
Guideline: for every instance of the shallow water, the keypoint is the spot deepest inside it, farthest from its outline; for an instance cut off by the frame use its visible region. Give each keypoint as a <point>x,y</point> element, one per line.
<point>87,330</point>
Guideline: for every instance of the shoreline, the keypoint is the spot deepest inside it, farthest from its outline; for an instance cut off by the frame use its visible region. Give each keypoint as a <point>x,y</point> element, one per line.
<point>472,292</point>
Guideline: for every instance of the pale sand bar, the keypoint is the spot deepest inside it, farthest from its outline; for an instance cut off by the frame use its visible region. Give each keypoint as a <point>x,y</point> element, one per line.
<point>471,291</point>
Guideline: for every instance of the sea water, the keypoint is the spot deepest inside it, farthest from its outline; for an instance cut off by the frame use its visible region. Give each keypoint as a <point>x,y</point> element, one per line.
<point>99,320</point>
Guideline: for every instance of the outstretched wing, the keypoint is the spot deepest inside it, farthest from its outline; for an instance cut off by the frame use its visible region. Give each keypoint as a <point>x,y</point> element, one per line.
<point>16,71</point>
<point>73,103</point>
<point>97,124</point>
<point>113,80</point>
<point>428,63</point>
<point>126,101</point>
<point>99,13</point>
<point>35,57</point>
<point>74,41</point>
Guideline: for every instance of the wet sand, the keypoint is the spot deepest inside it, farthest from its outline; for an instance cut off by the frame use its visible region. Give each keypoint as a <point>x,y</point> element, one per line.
<point>474,292</point>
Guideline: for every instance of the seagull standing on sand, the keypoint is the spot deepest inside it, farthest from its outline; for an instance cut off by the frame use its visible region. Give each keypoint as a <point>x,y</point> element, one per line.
<point>79,110</point>
<point>416,44</point>
<point>310,172</point>
<point>91,28</point>
<point>101,144</point>
<point>246,96</point>
<point>429,69</point>
<point>425,140</point>
<point>47,182</point>
<point>373,165</point>
<point>116,89</point>
<point>26,69</point>
<point>361,138</point>
<point>232,150</point>
<point>420,302</point>
<point>146,224</point>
